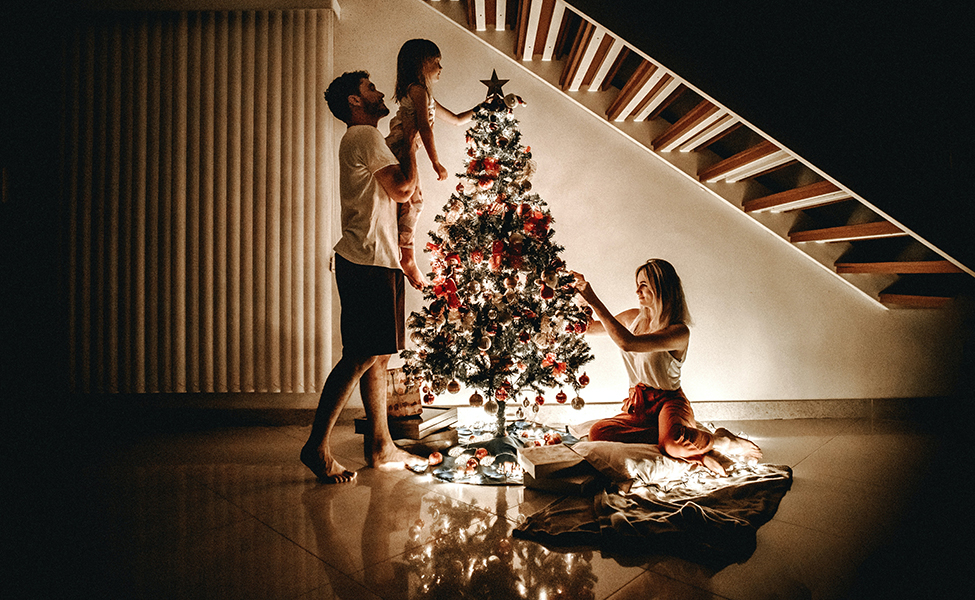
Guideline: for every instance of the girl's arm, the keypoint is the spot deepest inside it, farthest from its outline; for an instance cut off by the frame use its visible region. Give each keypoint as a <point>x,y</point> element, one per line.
<point>672,337</point>
<point>420,98</point>
<point>447,116</point>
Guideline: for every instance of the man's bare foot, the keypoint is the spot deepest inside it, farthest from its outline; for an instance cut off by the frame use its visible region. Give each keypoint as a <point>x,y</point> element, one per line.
<point>325,468</point>
<point>730,444</point>
<point>413,274</point>
<point>394,459</point>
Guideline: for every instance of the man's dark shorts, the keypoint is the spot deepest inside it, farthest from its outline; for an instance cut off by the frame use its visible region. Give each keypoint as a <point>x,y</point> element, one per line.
<point>373,308</point>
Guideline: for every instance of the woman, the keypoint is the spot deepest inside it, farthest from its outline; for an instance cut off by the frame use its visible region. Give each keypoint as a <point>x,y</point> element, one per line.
<point>653,340</point>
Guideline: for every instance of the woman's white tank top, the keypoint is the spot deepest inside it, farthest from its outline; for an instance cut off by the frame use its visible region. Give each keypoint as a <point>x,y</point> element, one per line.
<point>655,369</point>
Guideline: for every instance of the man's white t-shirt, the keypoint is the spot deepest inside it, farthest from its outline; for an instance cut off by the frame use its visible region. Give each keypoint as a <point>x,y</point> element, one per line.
<point>369,228</point>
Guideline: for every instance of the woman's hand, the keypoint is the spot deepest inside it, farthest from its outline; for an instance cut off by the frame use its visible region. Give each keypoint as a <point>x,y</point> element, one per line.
<point>582,286</point>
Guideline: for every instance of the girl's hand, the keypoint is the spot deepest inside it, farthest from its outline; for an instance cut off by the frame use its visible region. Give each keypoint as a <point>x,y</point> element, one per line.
<point>441,171</point>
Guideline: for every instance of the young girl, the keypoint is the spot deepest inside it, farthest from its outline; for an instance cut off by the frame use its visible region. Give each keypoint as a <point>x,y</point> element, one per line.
<point>417,69</point>
<point>653,339</point>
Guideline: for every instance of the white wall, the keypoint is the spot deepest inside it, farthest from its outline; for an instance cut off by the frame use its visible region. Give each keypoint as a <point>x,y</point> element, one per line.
<point>768,323</point>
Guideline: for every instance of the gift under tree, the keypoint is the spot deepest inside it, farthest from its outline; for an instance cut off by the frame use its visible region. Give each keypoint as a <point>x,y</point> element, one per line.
<point>501,316</point>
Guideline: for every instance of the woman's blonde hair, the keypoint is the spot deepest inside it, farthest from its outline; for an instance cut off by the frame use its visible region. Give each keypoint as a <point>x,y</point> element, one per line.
<point>667,286</point>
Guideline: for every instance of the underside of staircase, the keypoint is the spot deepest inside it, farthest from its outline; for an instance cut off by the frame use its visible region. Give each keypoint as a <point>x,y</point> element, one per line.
<point>842,232</point>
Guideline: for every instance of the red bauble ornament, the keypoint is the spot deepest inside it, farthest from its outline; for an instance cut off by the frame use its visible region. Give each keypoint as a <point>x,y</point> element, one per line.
<point>539,399</point>
<point>435,459</point>
<point>428,398</point>
<point>583,380</point>
<point>476,400</point>
<point>561,397</point>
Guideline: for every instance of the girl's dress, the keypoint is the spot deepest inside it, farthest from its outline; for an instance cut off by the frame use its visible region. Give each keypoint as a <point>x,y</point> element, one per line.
<point>656,411</point>
<point>402,128</point>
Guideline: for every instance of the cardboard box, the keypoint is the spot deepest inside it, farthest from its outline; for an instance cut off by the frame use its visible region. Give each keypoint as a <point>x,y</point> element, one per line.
<point>578,480</point>
<point>402,400</point>
<point>540,461</point>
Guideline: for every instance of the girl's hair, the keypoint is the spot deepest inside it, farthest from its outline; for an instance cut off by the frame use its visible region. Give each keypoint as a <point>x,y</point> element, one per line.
<point>409,64</point>
<point>666,283</point>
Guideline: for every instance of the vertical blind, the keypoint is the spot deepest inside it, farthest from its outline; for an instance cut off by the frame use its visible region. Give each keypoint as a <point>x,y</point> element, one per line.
<point>200,168</point>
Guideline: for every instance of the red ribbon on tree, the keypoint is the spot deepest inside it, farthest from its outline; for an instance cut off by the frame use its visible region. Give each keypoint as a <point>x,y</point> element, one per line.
<point>497,255</point>
<point>448,289</point>
<point>536,224</point>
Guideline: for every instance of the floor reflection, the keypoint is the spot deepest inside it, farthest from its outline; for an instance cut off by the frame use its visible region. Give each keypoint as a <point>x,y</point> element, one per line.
<point>473,555</point>
<point>232,514</point>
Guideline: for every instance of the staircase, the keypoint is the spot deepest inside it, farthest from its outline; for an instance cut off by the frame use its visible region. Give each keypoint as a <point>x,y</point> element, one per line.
<point>834,227</point>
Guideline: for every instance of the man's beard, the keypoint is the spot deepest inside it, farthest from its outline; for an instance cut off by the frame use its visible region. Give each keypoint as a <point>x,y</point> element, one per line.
<point>376,109</point>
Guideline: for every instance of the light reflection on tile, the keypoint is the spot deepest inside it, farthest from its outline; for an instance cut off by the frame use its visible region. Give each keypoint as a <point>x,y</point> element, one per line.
<point>474,556</point>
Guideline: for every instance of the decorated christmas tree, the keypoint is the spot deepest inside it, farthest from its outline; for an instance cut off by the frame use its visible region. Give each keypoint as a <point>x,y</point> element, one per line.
<point>501,316</point>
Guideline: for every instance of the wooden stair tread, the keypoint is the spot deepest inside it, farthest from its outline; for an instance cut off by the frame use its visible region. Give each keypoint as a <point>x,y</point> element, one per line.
<point>765,154</point>
<point>913,300</point>
<point>860,231</point>
<point>898,267</point>
<point>815,194</point>
<point>697,117</point>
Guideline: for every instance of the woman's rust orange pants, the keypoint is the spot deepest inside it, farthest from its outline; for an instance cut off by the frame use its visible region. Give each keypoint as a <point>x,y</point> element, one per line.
<point>662,417</point>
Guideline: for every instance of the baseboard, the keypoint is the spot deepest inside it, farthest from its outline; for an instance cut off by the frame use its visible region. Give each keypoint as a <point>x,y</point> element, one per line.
<point>299,409</point>
<point>854,408</point>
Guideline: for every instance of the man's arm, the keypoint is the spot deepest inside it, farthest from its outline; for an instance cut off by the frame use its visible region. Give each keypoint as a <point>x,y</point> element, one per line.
<point>400,180</point>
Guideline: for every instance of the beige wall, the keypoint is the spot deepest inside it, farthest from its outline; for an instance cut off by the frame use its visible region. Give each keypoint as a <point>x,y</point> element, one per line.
<point>768,323</point>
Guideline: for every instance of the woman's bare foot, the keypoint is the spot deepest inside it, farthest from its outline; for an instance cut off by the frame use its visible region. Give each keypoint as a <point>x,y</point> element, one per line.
<point>325,468</point>
<point>730,444</point>
<point>391,458</point>
<point>716,463</point>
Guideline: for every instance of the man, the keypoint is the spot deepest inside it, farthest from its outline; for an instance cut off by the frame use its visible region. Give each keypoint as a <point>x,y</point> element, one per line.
<point>368,275</point>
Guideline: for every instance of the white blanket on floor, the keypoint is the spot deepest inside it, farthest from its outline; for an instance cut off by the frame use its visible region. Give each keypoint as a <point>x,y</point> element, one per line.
<point>661,505</point>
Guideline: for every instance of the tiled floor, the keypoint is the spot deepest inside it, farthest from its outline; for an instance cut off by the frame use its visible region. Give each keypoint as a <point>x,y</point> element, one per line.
<point>231,513</point>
